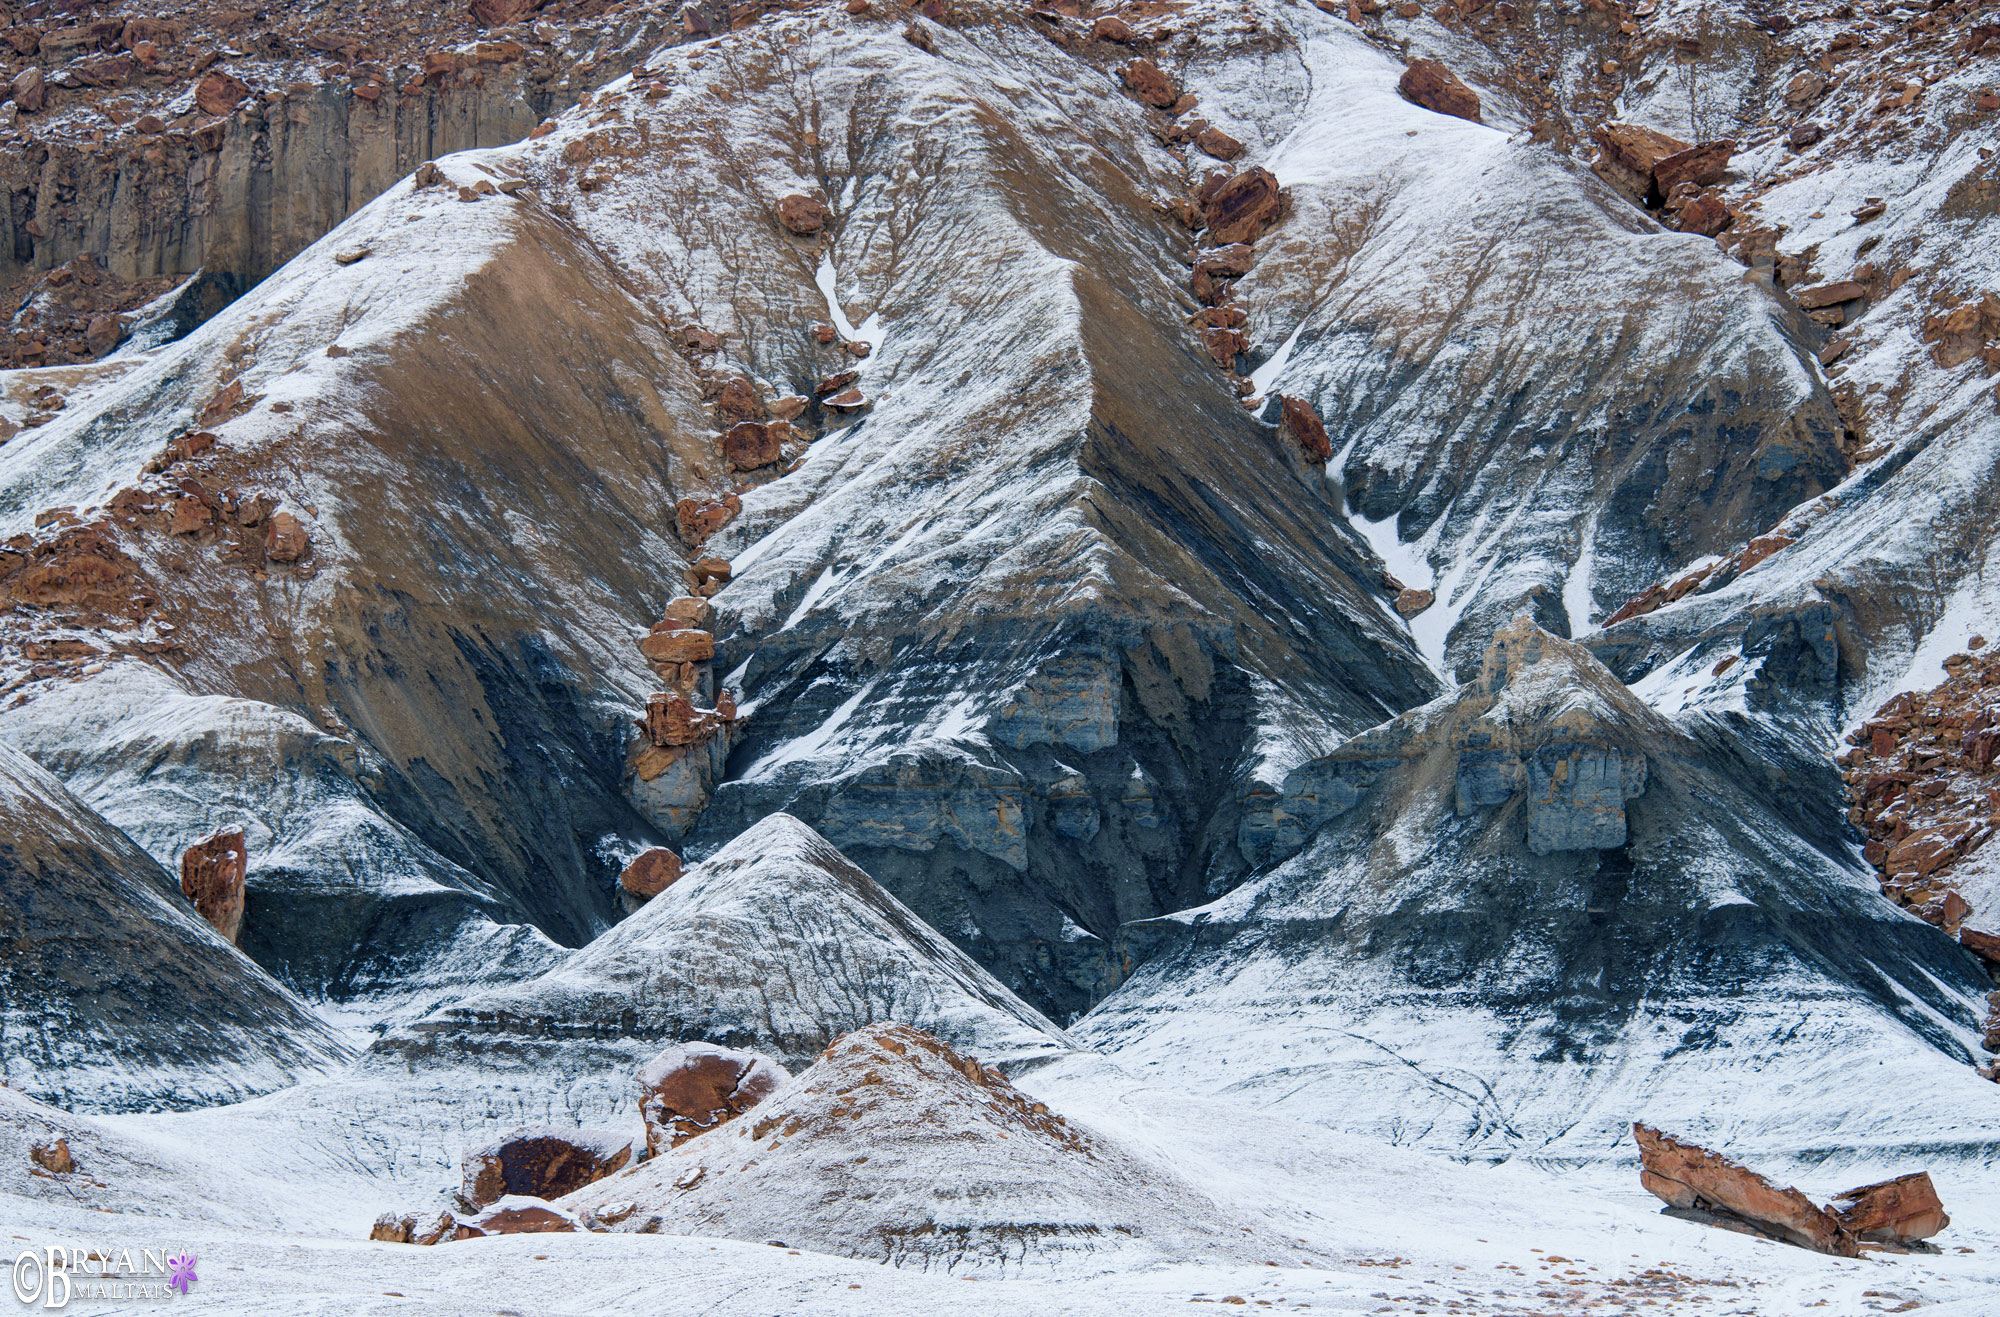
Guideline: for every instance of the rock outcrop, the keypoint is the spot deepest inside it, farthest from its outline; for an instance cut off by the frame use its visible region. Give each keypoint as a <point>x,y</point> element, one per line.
<point>1687,1177</point>
<point>650,872</point>
<point>1899,1211</point>
<point>540,1162</point>
<point>212,872</point>
<point>1435,87</point>
<point>114,994</point>
<point>1540,868</point>
<point>691,1088</point>
<point>896,1147</point>
<point>777,944</point>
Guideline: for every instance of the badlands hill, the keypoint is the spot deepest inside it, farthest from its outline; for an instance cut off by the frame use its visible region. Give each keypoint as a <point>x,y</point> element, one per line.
<point>1416,577</point>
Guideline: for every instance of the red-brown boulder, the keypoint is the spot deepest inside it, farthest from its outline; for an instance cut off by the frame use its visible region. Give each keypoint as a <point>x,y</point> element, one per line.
<point>678,645</point>
<point>541,1162</point>
<point>499,13</point>
<point>802,214</point>
<point>1243,206</point>
<point>691,1088</point>
<point>1895,1211</point>
<point>286,538</point>
<point>672,720</point>
<point>706,576</point>
<point>212,872</point>
<point>1301,424</point>
<point>1702,165</point>
<point>736,400</point>
<point>218,93</point>
<point>1215,142</point>
<point>1145,80</point>
<point>1224,345</point>
<point>650,873</point>
<point>1435,87</point>
<point>1112,28</point>
<point>837,381</point>
<point>1686,1176</point>
<point>748,445</point>
<point>517,1214</point>
<point>686,611</point>
<point>697,519</point>
<point>29,89</point>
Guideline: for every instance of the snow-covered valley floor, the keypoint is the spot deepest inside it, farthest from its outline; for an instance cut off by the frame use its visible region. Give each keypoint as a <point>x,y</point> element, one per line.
<point>1399,1231</point>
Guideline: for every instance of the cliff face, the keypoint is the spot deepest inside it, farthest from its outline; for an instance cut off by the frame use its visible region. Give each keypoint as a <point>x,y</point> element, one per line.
<point>148,146</point>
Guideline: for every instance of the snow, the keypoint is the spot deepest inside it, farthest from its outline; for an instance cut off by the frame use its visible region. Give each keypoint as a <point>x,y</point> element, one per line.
<point>870,330</point>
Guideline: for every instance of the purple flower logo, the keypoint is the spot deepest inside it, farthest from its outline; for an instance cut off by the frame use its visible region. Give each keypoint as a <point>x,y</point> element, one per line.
<point>181,1264</point>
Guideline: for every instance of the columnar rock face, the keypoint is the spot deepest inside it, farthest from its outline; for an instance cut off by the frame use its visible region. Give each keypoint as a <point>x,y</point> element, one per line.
<point>212,872</point>
<point>691,1088</point>
<point>1686,1176</point>
<point>540,1162</point>
<point>274,148</point>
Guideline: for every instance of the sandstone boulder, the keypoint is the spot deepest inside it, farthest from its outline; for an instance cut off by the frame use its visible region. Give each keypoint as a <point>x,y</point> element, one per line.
<point>29,90</point>
<point>678,645</point>
<point>802,214</point>
<point>53,1156</point>
<point>848,401</point>
<point>393,1228</point>
<point>736,400</point>
<point>212,872</point>
<point>1411,601</point>
<point>650,873</point>
<point>517,1214</point>
<point>1702,165</point>
<point>1145,80</point>
<point>691,1088</point>
<point>697,519</point>
<point>1301,424</point>
<point>689,611</point>
<point>672,720</point>
<point>286,538</point>
<point>1902,1210</point>
<point>1829,294</point>
<point>218,93</point>
<point>837,381</point>
<point>749,445</point>
<point>791,407</point>
<point>1688,1177</point>
<point>1243,206</point>
<point>540,1161</point>
<point>1435,87</point>
<point>707,576</point>
<point>1215,142</point>
<point>499,13</point>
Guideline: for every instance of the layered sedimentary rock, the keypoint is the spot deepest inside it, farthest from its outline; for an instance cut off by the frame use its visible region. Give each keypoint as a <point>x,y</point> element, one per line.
<point>1515,916</point>
<point>1685,1176</point>
<point>227,141</point>
<point>896,1147</point>
<point>777,944</point>
<point>114,994</point>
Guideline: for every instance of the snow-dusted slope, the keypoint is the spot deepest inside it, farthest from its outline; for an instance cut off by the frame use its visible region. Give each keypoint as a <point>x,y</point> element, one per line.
<point>1515,921</point>
<point>777,943</point>
<point>114,994</point>
<point>892,1146</point>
